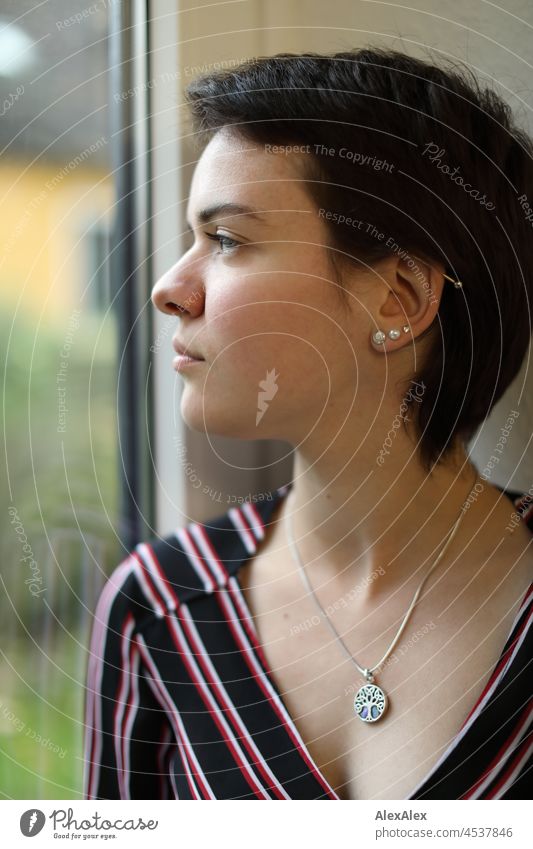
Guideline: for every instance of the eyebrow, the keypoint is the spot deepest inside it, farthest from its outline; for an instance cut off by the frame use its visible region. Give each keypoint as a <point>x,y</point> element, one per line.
<point>217,210</point>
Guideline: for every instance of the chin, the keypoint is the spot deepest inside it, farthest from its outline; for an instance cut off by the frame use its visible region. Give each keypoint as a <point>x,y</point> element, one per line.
<point>228,418</point>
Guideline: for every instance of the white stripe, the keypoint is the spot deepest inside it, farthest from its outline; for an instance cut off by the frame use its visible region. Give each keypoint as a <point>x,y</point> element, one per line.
<point>256,523</point>
<point>176,628</point>
<point>247,538</point>
<point>95,672</point>
<point>455,742</point>
<point>523,636</point>
<point>148,592</point>
<point>163,697</point>
<point>174,788</point>
<point>241,606</point>
<point>246,646</point>
<point>120,704</point>
<point>499,767</point>
<point>200,568</point>
<point>174,624</point>
<point>228,702</point>
<point>152,567</point>
<point>132,714</point>
<point>202,685</point>
<point>504,788</point>
<point>227,602</point>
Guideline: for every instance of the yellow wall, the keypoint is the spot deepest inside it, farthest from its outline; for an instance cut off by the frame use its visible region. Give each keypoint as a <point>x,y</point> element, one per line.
<point>44,209</point>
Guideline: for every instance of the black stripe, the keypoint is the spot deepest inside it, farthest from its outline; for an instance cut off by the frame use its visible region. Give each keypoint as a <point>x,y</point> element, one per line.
<point>210,747</point>
<point>462,768</point>
<point>265,727</point>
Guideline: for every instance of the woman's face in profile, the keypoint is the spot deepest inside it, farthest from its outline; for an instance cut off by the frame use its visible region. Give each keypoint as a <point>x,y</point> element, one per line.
<point>281,352</point>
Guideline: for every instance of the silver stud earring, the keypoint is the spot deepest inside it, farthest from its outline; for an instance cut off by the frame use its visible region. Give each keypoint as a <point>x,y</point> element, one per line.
<point>378,337</point>
<point>405,328</point>
<point>394,334</point>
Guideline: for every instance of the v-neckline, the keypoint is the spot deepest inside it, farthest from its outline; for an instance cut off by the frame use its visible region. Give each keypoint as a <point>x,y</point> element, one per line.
<point>265,510</point>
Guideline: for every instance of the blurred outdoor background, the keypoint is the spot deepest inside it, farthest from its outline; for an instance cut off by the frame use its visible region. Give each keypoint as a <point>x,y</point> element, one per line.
<point>58,340</point>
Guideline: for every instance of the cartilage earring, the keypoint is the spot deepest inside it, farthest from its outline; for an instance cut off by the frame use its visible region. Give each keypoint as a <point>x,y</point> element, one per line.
<point>394,334</point>
<point>378,337</point>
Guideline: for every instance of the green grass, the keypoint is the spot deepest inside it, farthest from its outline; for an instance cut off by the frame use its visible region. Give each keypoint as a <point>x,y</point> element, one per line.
<point>68,510</point>
<point>42,696</point>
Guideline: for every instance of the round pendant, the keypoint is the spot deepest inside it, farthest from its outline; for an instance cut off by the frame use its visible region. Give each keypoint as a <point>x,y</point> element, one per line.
<point>370,703</point>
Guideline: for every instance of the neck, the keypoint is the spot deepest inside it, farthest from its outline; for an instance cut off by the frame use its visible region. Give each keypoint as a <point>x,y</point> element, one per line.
<point>362,524</point>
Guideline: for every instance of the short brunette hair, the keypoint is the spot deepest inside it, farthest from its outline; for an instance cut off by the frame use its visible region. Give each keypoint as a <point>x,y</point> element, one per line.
<point>435,163</point>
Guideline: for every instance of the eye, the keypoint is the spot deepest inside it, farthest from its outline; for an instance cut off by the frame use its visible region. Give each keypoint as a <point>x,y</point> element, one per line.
<point>227,245</point>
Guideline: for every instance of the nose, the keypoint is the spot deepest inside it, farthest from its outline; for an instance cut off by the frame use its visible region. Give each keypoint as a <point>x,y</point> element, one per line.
<point>180,290</point>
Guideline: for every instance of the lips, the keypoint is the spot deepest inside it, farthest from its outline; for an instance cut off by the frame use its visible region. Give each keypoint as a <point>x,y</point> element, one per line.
<point>184,350</point>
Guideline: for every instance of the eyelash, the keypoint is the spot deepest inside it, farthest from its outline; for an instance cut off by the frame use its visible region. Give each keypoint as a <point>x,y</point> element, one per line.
<point>223,240</point>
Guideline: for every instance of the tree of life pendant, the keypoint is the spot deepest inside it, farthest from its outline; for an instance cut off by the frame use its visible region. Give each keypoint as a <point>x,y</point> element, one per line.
<point>370,701</point>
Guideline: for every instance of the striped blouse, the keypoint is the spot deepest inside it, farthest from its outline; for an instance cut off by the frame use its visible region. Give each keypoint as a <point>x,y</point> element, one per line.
<point>181,703</point>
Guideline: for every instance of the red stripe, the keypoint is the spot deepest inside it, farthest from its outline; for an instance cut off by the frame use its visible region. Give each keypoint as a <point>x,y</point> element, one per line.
<point>92,761</point>
<point>90,724</point>
<point>254,785</point>
<point>121,679</point>
<point>215,715</point>
<point>269,674</point>
<point>205,571</point>
<point>215,556</point>
<point>254,509</point>
<point>149,580</point>
<point>249,630</point>
<point>232,713</point>
<point>517,730</point>
<point>189,767</point>
<point>224,704</point>
<point>258,517</point>
<point>522,748</point>
<point>93,758</point>
<point>251,635</point>
<point>257,648</point>
<point>98,642</point>
<point>129,708</point>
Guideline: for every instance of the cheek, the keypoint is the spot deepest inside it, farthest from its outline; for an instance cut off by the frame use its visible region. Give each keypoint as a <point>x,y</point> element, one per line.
<point>291,327</point>
<point>279,363</point>
<point>254,336</point>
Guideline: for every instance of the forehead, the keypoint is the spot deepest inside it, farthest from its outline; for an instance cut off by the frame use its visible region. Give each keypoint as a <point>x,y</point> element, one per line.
<point>233,168</point>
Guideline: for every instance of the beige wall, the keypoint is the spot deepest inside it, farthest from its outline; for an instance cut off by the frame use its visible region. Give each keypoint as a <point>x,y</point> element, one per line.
<point>497,43</point>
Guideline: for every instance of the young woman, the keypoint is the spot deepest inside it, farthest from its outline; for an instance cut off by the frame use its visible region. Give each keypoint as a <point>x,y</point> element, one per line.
<point>358,284</point>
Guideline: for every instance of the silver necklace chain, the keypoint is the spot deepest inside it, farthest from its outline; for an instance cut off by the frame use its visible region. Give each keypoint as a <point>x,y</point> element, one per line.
<point>367,672</point>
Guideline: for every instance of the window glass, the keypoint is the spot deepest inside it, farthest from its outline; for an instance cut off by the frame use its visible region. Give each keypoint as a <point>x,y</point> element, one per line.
<point>58,337</point>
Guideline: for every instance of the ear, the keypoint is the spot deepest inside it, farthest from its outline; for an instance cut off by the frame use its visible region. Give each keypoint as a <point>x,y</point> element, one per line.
<point>409,297</point>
